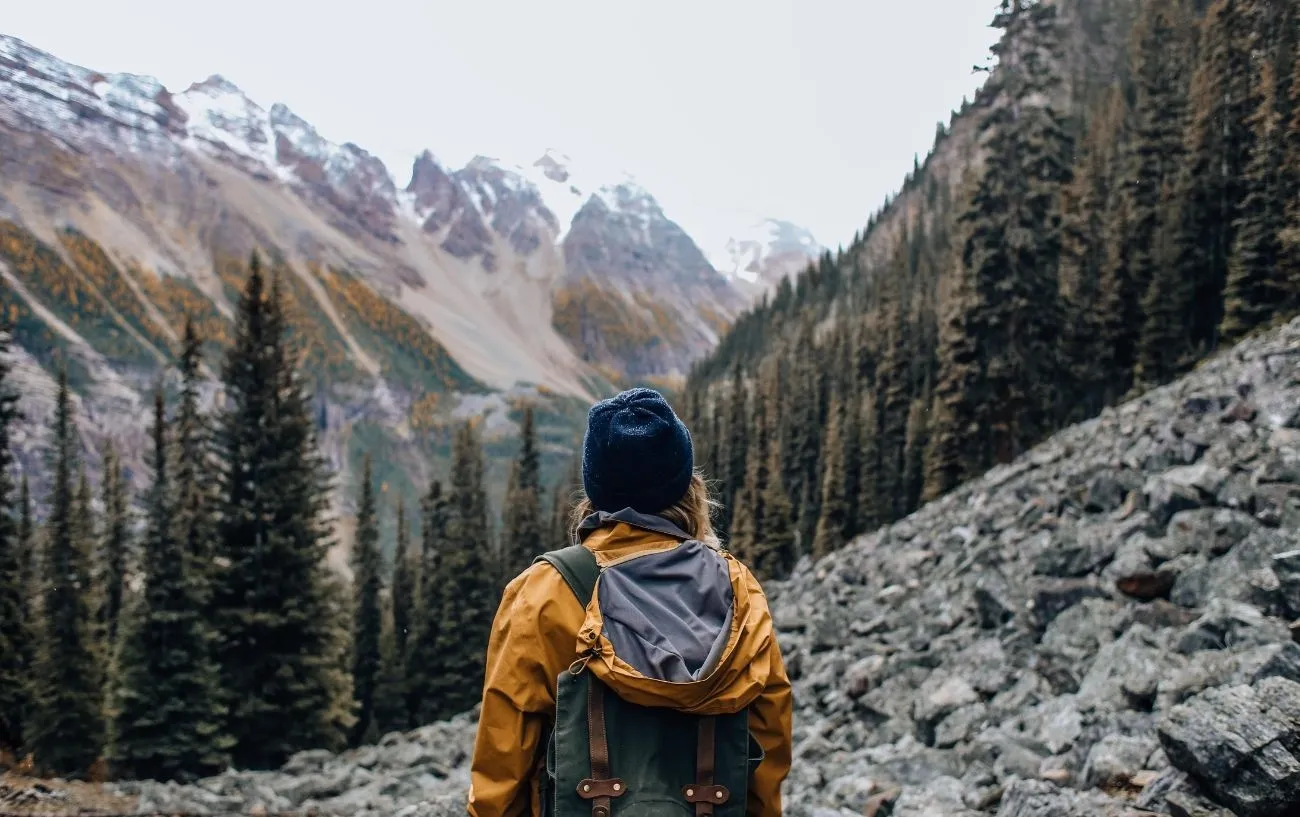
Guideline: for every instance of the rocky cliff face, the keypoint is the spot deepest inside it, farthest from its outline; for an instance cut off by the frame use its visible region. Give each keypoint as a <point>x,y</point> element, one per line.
<point>1102,628</point>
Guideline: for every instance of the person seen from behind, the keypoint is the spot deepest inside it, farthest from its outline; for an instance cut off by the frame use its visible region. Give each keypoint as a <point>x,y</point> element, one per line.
<point>636,672</point>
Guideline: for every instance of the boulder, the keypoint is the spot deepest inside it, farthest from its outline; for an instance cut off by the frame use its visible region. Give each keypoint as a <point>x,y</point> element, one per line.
<point>1242,743</point>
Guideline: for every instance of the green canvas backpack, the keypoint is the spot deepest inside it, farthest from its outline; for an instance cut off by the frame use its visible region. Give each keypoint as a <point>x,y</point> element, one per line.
<point>606,757</point>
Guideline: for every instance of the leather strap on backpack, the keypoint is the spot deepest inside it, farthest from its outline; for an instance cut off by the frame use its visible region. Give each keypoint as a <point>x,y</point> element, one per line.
<point>600,787</point>
<point>577,566</point>
<point>703,793</point>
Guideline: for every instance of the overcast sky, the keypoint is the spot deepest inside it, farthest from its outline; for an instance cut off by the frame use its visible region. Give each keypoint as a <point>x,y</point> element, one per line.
<point>726,110</point>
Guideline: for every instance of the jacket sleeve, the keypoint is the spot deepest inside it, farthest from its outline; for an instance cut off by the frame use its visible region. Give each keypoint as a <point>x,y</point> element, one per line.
<point>770,721</point>
<point>533,632</point>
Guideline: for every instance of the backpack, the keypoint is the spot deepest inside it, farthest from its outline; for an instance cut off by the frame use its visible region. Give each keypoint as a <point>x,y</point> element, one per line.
<point>606,757</point>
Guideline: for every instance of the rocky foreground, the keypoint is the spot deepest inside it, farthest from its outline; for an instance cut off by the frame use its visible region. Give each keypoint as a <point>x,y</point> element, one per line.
<point>1101,628</point>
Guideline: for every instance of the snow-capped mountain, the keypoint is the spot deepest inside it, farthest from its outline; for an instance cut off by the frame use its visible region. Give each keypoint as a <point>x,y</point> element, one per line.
<point>126,207</point>
<point>764,252</point>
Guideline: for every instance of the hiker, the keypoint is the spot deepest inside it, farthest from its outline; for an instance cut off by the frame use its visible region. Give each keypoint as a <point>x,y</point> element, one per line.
<point>666,694</point>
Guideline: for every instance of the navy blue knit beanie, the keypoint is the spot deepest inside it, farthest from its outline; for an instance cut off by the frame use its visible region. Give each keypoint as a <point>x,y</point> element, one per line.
<point>636,454</point>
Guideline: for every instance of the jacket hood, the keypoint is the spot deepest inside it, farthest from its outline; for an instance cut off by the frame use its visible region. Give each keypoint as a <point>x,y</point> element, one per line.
<point>673,622</point>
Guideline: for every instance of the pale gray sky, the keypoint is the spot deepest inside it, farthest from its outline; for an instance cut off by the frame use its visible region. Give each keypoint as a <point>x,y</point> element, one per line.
<point>726,110</point>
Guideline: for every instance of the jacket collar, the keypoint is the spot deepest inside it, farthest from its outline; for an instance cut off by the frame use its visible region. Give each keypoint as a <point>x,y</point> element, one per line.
<point>628,516</point>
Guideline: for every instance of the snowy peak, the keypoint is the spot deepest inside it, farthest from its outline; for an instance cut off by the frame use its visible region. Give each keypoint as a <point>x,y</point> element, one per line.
<point>766,251</point>
<point>222,119</point>
<point>124,111</point>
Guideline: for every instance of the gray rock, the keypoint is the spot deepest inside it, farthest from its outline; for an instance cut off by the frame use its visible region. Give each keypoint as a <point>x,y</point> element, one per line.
<point>1035,798</point>
<point>1243,743</point>
<point>1286,566</point>
<point>1114,759</point>
<point>959,725</point>
<point>1209,532</point>
<point>941,797</point>
<point>1228,624</point>
<point>1180,489</point>
<point>1051,597</point>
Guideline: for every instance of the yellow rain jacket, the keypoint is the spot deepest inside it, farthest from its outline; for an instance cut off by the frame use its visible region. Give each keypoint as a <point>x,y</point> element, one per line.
<point>540,629</point>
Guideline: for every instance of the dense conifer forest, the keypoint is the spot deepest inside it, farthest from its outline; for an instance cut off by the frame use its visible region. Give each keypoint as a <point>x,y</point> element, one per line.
<point>1129,210</point>
<point>199,626</point>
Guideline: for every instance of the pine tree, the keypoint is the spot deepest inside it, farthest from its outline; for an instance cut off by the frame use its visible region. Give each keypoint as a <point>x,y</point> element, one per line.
<point>918,433</point>
<point>195,497</point>
<point>166,714</point>
<point>955,453</point>
<point>390,713</point>
<point>1001,381</point>
<point>1154,157</point>
<point>1100,305</point>
<point>115,548</point>
<point>1211,185</point>
<point>67,726</point>
<point>425,665</point>
<point>367,585</point>
<point>774,557</point>
<point>27,547</point>
<point>830,535</point>
<point>1289,244</point>
<point>1256,290</point>
<point>406,574</point>
<point>522,537</point>
<point>870,513</point>
<point>747,525</point>
<point>275,605</point>
<point>14,640</point>
<point>469,582</point>
<point>736,447</point>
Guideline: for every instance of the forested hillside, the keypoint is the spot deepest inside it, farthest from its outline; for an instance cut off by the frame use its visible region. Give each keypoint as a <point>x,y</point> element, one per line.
<point>1121,198</point>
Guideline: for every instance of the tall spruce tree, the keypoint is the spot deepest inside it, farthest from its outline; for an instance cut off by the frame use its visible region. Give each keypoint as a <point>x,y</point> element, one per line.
<point>830,532</point>
<point>425,665</point>
<point>114,551</point>
<point>1100,304</point>
<point>918,433</point>
<point>14,632</point>
<point>275,607</point>
<point>870,513</point>
<point>406,577</point>
<point>1154,156</point>
<point>1212,187</point>
<point>1011,382</point>
<point>67,726</point>
<point>1257,290</point>
<point>389,709</point>
<point>367,612</point>
<point>736,447</point>
<point>774,556</point>
<point>195,495</point>
<point>469,593</point>
<point>747,525</point>
<point>1289,243</point>
<point>522,536</point>
<point>167,717</point>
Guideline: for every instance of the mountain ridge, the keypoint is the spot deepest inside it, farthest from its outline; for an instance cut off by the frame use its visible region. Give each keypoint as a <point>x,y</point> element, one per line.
<point>128,206</point>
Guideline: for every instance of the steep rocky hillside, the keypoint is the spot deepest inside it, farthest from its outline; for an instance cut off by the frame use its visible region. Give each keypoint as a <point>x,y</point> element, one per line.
<point>125,206</point>
<point>1101,628</point>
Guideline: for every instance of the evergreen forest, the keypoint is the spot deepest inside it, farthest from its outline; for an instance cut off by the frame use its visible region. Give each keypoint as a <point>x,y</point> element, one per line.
<point>1128,202</point>
<point>200,626</point>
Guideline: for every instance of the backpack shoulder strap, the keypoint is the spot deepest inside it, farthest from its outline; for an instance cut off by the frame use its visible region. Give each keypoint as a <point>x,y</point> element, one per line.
<point>578,567</point>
